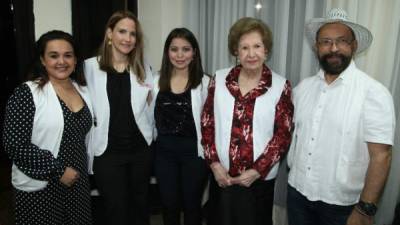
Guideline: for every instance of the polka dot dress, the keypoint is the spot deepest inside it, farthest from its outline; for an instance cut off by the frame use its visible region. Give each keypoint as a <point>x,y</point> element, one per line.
<point>57,203</point>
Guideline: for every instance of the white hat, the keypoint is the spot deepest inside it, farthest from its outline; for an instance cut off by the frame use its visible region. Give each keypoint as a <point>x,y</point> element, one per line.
<point>363,35</point>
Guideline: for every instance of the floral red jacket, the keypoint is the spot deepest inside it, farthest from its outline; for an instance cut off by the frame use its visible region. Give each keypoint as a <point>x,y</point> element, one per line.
<point>241,143</point>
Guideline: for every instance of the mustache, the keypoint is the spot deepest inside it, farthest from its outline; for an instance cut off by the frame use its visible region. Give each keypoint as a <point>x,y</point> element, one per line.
<point>329,55</point>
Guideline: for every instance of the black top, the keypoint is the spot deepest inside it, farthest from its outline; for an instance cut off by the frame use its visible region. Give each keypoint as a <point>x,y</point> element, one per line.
<point>123,133</point>
<point>173,114</point>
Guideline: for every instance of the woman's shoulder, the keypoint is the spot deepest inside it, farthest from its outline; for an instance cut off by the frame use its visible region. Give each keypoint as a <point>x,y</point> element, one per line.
<point>24,89</point>
<point>206,78</point>
<point>278,76</point>
<point>21,93</point>
<point>156,75</point>
<point>91,61</point>
<point>279,81</point>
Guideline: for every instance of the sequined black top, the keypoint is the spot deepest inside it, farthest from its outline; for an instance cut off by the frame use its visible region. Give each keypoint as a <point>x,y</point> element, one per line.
<point>173,114</point>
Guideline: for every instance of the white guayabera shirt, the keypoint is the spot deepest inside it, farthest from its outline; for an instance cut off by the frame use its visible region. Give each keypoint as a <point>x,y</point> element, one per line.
<point>328,157</point>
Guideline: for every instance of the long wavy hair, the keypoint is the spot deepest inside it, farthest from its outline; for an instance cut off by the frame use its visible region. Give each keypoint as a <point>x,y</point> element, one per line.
<point>38,72</point>
<point>196,71</point>
<point>135,57</point>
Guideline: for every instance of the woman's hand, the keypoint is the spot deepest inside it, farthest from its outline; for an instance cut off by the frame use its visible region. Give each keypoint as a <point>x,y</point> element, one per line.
<point>221,175</point>
<point>246,178</point>
<point>69,177</point>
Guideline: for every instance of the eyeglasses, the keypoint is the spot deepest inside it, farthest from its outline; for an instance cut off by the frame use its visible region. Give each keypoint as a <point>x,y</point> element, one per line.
<point>339,42</point>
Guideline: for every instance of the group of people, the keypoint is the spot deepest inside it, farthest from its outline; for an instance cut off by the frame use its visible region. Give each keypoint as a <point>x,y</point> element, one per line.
<point>73,117</point>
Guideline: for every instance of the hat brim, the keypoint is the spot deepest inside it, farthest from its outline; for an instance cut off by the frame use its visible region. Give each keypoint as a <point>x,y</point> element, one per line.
<point>362,34</point>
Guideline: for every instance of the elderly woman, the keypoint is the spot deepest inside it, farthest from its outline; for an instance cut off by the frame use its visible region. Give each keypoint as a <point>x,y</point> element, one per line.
<point>246,124</point>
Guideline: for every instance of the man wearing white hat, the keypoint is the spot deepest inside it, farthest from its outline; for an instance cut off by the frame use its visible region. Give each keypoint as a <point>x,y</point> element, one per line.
<point>340,154</point>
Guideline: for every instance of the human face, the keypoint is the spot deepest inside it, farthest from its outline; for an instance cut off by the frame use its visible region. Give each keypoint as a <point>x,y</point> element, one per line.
<point>335,57</point>
<point>123,37</point>
<point>180,53</point>
<point>251,51</point>
<point>59,60</point>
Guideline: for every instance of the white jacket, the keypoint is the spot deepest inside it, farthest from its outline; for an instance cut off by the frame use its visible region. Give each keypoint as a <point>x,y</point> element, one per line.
<point>48,127</point>
<point>263,119</point>
<point>97,85</point>
<point>198,97</point>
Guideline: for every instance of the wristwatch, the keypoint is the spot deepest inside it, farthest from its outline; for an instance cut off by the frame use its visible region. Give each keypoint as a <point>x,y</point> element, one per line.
<point>367,208</point>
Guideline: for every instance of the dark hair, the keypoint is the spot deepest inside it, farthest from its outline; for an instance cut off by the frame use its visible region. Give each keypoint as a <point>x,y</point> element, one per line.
<point>38,72</point>
<point>246,25</point>
<point>196,71</point>
<point>135,57</point>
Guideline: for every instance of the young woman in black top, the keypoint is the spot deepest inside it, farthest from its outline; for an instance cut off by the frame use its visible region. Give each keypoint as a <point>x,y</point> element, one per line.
<point>181,89</point>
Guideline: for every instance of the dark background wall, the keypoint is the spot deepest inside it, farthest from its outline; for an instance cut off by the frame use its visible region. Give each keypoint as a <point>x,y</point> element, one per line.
<point>8,80</point>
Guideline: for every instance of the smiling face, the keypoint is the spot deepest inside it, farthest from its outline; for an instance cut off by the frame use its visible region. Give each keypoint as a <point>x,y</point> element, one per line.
<point>59,59</point>
<point>335,48</point>
<point>251,51</point>
<point>123,37</point>
<point>180,53</point>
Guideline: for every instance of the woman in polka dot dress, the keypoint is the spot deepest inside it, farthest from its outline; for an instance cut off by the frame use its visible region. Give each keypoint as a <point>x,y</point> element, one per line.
<point>47,121</point>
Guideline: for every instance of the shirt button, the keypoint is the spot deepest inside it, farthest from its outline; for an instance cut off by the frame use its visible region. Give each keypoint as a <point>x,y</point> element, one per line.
<point>309,153</point>
<point>312,139</point>
<point>309,168</point>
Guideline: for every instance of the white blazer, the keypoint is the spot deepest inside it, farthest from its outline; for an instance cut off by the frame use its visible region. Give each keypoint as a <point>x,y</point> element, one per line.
<point>47,130</point>
<point>198,97</point>
<point>263,119</point>
<point>97,84</point>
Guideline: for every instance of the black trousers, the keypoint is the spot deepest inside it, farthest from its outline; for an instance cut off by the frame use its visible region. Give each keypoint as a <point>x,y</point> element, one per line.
<point>181,177</point>
<point>122,179</point>
<point>302,211</point>
<point>238,205</point>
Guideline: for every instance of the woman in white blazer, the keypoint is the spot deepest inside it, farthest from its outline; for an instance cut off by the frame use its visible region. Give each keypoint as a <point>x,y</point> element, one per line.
<point>181,89</point>
<point>120,83</point>
<point>246,128</point>
<point>47,121</point>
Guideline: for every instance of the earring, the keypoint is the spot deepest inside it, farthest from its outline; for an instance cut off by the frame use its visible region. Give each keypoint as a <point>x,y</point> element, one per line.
<point>109,42</point>
<point>237,61</point>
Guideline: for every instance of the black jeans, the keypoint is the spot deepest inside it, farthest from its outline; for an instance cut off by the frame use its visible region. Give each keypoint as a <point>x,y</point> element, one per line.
<point>122,179</point>
<point>181,177</point>
<point>238,205</point>
<point>301,211</point>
